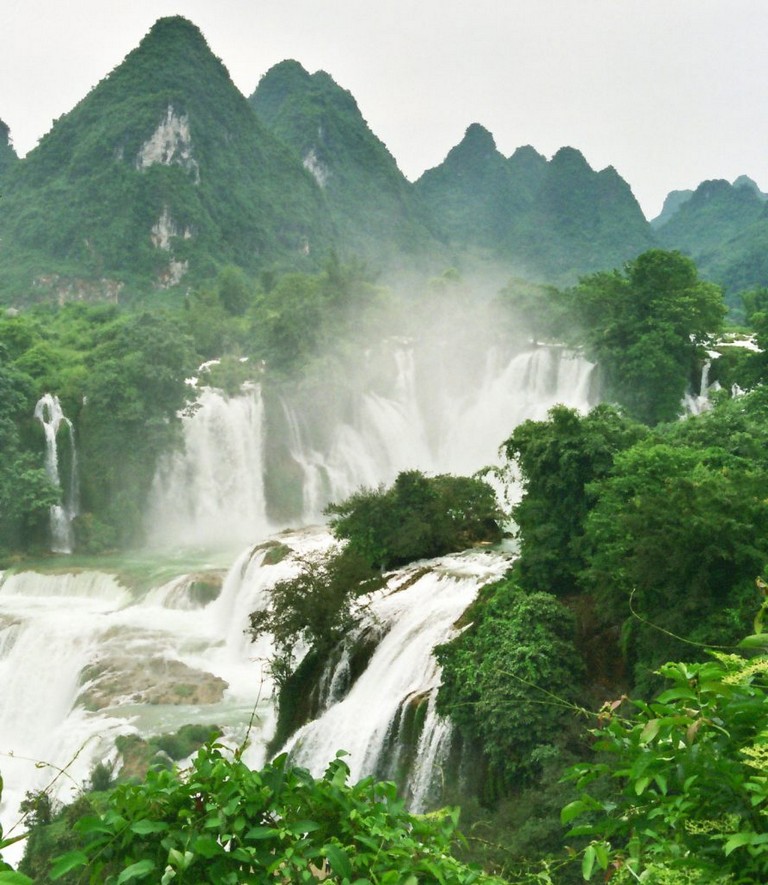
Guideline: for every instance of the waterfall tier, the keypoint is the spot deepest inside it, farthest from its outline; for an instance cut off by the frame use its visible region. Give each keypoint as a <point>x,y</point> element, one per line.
<point>259,461</point>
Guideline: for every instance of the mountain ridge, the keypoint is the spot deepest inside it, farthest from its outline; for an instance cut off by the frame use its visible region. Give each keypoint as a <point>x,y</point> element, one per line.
<point>165,172</point>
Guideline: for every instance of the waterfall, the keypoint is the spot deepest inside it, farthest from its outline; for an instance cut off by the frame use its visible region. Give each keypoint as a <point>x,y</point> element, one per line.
<point>396,412</point>
<point>49,413</point>
<point>83,660</point>
<point>695,404</point>
<point>416,612</point>
<point>211,494</point>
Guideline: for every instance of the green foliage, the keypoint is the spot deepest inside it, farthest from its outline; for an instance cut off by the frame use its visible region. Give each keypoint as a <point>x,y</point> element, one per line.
<point>678,789</point>
<point>315,607</point>
<point>557,459</point>
<point>303,317</point>
<point>645,327</point>
<point>133,393</point>
<point>681,526</point>
<point>722,226</point>
<point>417,518</point>
<point>510,678</point>
<point>7,874</point>
<point>26,493</point>
<point>221,822</point>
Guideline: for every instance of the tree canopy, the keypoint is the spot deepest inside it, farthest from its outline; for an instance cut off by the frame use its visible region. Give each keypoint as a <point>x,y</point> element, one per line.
<point>645,326</point>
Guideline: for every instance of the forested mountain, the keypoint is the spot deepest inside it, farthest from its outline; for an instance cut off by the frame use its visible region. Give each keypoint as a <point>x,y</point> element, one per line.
<point>724,228</point>
<point>550,220</point>
<point>162,171</point>
<point>372,204</point>
<point>672,202</point>
<point>7,154</point>
<point>165,173</point>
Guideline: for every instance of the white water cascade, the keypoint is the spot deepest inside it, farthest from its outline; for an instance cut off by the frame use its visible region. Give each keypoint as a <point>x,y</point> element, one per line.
<point>361,434</point>
<point>211,494</point>
<point>49,413</point>
<point>417,611</point>
<point>83,659</point>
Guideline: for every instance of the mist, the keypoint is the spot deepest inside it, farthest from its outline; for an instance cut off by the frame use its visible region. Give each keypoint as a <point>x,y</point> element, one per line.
<point>433,379</point>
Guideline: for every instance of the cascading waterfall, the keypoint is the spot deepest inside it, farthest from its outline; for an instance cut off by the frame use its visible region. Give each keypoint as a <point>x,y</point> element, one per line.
<point>49,413</point>
<point>416,612</point>
<point>214,490</point>
<point>82,660</point>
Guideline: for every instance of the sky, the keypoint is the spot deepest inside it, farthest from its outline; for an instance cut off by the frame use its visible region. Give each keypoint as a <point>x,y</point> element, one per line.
<point>669,92</point>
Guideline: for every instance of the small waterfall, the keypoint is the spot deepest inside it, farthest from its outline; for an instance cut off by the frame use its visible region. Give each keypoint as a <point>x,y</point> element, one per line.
<point>374,721</point>
<point>694,404</point>
<point>49,413</point>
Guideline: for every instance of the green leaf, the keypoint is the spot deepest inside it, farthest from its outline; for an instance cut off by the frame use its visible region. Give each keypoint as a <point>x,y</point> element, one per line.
<point>650,730</point>
<point>737,841</point>
<point>262,833</point>
<point>207,846</point>
<point>756,640</point>
<point>588,862</point>
<point>136,871</point>
<point>4,843</point>
<point>299,827</point>
<point>69,861</point>
<point>144,827</point>
<point>572,810</point>
<point>640,785</point>
<point>338,860</point>
<point>11,877</point>
<point>91,824</point>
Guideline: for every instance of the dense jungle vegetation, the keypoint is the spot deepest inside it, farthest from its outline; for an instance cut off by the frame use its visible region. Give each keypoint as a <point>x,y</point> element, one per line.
<point>642,541</point>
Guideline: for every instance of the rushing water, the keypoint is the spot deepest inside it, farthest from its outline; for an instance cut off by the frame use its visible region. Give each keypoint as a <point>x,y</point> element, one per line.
<point>416,417</point>
<point>83,659</point>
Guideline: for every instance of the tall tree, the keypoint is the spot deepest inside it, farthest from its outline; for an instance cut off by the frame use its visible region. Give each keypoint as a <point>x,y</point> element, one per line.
<point>646,326</point>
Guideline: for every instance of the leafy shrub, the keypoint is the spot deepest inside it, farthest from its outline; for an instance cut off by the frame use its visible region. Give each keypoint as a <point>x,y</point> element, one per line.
<point>678,791</point>
<point>223,823</point>
<point>509,678</point>
<point>417,518</point>
<point>313,608</point>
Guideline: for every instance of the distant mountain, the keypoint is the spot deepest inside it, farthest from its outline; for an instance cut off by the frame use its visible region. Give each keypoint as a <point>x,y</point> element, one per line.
<point>553,220</point>
<point>371,203</point>
<point>471,197</point>
<point>746,181</point>
<point>723,227</point>
<point>673,201</point>
<point>584,220</point>
<point>163,171</point>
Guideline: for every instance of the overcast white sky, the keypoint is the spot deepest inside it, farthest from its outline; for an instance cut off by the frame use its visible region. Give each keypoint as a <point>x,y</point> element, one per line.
<point>670,92</point>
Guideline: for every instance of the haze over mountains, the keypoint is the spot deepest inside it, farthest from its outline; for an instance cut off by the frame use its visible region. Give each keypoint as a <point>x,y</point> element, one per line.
<point>165,172</point>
